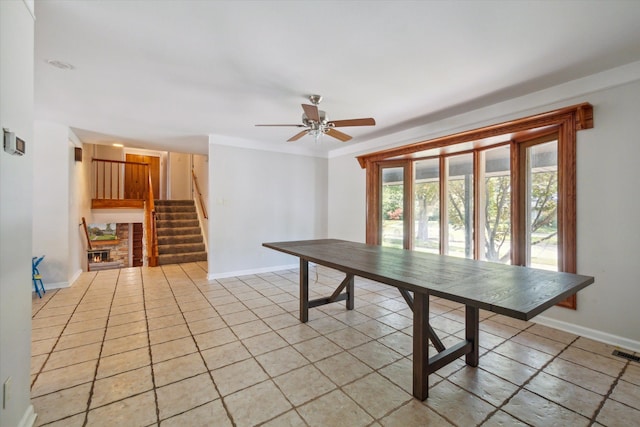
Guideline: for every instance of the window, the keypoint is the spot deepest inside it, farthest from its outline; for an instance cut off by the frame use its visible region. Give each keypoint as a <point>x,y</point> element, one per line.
<point>392,207</point>
<point>426,205</point>
<point>541,196</point>
<point>458,184</point>
<point>504,193</point>
<point>494,204</point>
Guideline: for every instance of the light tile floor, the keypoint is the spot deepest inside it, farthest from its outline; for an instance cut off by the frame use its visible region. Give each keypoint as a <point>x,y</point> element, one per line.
<point>163,346</point>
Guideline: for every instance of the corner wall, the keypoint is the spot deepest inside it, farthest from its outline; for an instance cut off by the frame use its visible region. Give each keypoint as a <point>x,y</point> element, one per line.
<point>16,114</point>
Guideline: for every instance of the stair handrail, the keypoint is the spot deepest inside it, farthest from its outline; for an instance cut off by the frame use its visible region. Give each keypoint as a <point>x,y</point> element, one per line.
<point>200,198</point>
<point>150,216</point>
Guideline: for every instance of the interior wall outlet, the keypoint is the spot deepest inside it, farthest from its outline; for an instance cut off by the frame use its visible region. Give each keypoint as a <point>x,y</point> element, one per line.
<point>6,393</point>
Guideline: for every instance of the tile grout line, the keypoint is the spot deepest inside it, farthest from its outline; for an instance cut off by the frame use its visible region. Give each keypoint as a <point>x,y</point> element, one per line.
<point>327,314</point>
<point>269,377</point>
<point>310,363</point>
<point>520,387</point>
<point>224,405</point>
<point>153,377</point>
<point>525,383</point>
<point>338,387</point>
<point>106,328</point>
<point>60,336</point>
<point>44,304</point>
<point>607,396</point>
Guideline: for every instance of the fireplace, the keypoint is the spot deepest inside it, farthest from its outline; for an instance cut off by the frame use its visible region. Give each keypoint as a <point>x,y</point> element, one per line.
<point>100,259</point>
<point>98,255</point>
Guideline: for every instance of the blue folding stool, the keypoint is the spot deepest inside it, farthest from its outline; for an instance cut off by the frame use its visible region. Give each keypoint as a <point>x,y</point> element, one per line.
<point>35,275</point>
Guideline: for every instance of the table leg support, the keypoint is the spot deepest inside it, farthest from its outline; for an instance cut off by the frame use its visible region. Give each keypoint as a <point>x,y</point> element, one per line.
<point>304,290</point>
<point>421,346</point>
<point>472,334</point>
<point>350,292</point>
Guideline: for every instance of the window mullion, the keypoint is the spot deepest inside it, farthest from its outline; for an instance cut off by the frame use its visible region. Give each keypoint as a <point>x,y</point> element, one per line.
<point>408,205</point>
<point>518,205</point>
<point>479,202</point>
<point>444,206</point>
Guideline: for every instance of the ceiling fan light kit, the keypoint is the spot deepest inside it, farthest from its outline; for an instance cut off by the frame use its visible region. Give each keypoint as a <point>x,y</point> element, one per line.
<point>316,123</point>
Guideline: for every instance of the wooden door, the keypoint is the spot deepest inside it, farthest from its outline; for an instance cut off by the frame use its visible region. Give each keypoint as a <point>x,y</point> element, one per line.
<point>136,245</point>
<point>135,178</point>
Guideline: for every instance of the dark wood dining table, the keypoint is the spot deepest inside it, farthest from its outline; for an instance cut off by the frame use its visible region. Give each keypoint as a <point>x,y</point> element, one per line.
<point>514,291</point>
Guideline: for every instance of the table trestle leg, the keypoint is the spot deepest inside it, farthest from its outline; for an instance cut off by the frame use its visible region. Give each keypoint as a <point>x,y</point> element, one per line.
<point>304,290</point>
<point>433,337</point>
<point>420,346</point>
<point>407,297</point>
<point>472,334</point>
<point>423,365</point>
<point>338,295</point>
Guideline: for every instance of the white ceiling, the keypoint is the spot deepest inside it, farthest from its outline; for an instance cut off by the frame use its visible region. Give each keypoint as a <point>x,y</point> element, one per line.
<point>166,74</point>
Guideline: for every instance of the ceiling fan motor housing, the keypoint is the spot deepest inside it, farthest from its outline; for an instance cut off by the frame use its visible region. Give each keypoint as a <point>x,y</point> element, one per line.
<point>315,99</point>
<point>312,123</point>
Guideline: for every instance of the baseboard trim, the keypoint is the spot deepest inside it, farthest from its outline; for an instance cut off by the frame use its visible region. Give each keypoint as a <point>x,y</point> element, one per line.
<point>594,334</point>
<point>75,277</point>
<point>214,276</point>
<point>56,285</point>
<point>60,285</point>
<point>29,418</point>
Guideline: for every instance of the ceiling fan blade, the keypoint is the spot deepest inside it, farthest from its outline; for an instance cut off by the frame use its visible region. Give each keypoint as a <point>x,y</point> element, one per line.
<point>312,112</point>
<point>297,136</point>
<point>338,135</point>
<point>353,122</point>
<point>298,126</point>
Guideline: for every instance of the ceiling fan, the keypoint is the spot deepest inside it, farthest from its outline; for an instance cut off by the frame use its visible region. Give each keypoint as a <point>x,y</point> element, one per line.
<point>316,123</point>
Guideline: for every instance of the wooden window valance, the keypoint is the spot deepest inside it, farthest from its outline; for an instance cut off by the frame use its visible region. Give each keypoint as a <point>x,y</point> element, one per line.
<point>575,117</point>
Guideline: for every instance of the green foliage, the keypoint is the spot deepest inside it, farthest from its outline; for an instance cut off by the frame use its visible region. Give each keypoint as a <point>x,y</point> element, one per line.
<point>497,216</point>
<point>497,210</point>
<point>543,208</point>
<point>456,207</point>
<point>426,197</point>
<point>544,203</point>
<point>392,201</point>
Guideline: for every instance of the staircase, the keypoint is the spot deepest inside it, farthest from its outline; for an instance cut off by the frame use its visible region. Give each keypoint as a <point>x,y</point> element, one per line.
<point>179,234</point>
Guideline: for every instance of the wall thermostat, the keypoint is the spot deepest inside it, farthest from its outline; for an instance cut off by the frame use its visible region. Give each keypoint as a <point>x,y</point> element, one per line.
<point>13,144</point>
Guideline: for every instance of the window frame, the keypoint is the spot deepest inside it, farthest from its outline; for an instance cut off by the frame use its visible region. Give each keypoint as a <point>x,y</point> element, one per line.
<point>523,132</point>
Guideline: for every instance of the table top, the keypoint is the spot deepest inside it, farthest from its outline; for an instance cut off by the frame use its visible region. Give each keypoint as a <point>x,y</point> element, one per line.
<point>515,291</point>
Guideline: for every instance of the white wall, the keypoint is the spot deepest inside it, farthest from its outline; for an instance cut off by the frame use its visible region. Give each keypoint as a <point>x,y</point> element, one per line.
<point>608,211</point>
<point>79,205</point>
<point>607,196</point>
<point>60,188</point>
<point>347,199</point>
<point>51,202</point>
<point>82,171</point>
<point>16,114</point>
<point>179,176</point>
<point>258,196</point>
